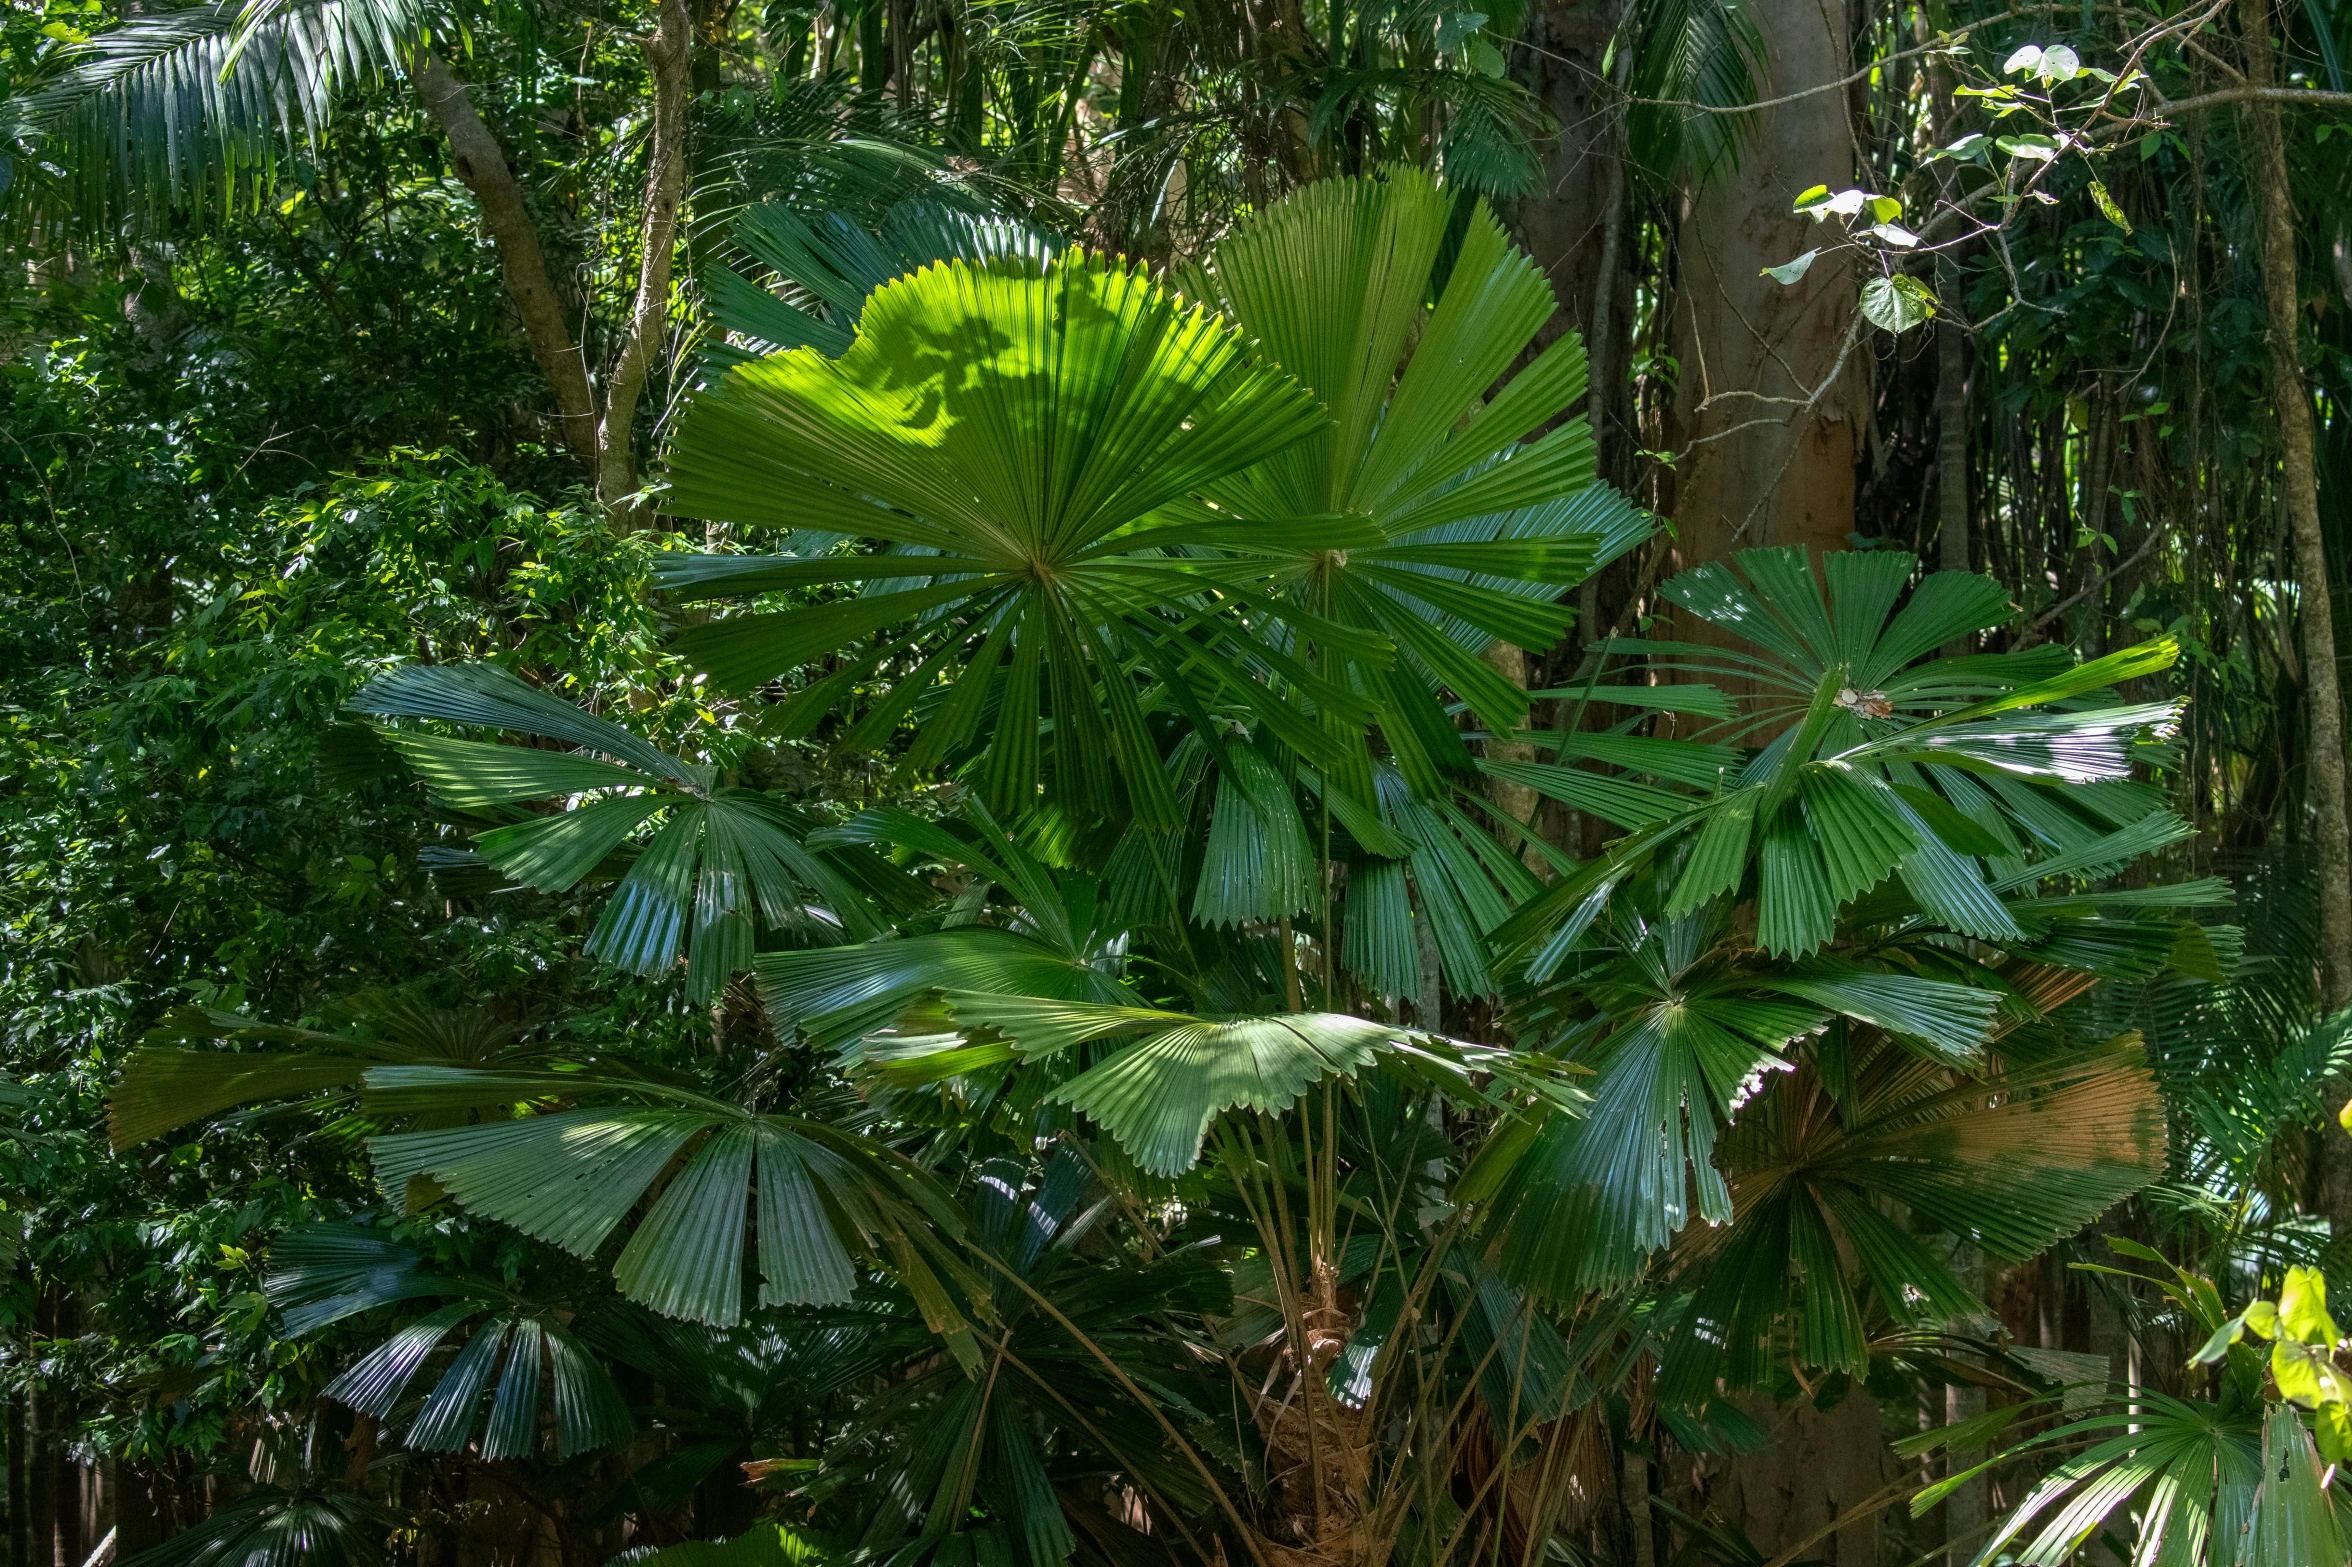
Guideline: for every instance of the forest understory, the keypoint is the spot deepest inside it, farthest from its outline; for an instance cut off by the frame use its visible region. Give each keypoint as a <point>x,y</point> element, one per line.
<point>1175,783</point>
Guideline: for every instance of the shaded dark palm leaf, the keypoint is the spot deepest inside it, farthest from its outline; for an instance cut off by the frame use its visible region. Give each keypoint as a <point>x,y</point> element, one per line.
<point>272,1527</point>
<point>2014,1163</point>
<point>573,1176</point>
<point>1683,1029</point>
<point>513,1363</point>
<point>719,859</point>
<point>163,1088</point>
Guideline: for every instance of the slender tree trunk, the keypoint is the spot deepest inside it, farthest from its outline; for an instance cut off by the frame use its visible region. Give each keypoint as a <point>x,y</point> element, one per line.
<point>20,1521</point>
<point>475,155</point>
<point>1514,800</point>
<point>2300,474</point>
<point>1966,1511</point>
<point>667,53</point>
<point>1951,402</point>
<point>1563,222</point>
<point>603,442</point>
<point>1639,1527</point>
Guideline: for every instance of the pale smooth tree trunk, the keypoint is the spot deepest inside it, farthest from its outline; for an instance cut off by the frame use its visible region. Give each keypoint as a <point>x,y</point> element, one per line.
<point>668,54</point>
<point>1769,383</point>
<point>481,164</point>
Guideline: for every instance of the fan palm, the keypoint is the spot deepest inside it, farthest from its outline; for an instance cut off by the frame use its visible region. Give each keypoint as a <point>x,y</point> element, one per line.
<point>1019,438</point>
<point>1071,1331</point>
<point>721,857</point>
<point>523,1356</point>
<point>1874,765</point>
<point>829,264</point>
<point>1473,525</point>
<point>2229,1477</point>
<point>571,1176</point>
<point>163,1089</point>
<point>196,107</point>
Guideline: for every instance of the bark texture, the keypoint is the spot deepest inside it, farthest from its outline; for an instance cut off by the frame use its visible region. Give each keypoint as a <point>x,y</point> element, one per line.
<point>482,166</point>
<point>1821,1468</point>
<point>602,440</point>
<point>667,53</point>
<point>2300,476</point>
<point>1563,223</point>
<point>1766,399</point>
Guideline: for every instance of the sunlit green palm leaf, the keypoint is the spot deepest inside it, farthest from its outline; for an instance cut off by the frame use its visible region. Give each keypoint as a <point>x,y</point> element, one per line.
<point>1474,524</point>
<point>1883,771</point>
<point>196,108</point>
<point>828,264</point>
<point>1012,436</point>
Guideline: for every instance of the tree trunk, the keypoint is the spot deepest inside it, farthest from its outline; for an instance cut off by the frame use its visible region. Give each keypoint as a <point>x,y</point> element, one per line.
<point>1563,223</point>
<point>2298,458</point>
<point>1951,401</point>
<point>1821,1467</point>
<point>1765,404</point>
<point>479,162</point>
<point>1967,1510</point>
<point>667,54</point>
<point>20,1520</point>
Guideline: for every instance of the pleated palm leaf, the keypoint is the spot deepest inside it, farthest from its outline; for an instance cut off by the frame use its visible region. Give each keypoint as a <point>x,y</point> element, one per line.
<point>591,1146</point>
<point>1469,518</point>
<point>516,1368</point>
<point>1158,1080</point>
<point>163,1088</point>
<point>828,263</point>
<point>1019,444</point>
<point>1960,778</point>
<point>197,107</point>
<point>271,1526</point>
<point>720,858</point>
<point>984,1459</point>
<point>1059,942</point>
<point>1684,1029</point>
<point>2028,1155</point>
<point>2216,1479</point>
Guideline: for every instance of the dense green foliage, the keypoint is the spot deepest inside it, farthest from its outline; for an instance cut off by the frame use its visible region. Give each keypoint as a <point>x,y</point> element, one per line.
<point>1164,895</point>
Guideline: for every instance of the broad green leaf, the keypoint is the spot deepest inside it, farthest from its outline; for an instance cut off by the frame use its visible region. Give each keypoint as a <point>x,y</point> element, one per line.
<point>1897,303</point>
<point>1791,271</point>
<point>1028,427</point>
<point>1479,524</point>
<point>2303,1309</point>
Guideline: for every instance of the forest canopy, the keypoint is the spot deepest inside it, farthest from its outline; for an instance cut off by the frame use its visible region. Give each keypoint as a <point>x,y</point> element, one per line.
<point>952,783</point>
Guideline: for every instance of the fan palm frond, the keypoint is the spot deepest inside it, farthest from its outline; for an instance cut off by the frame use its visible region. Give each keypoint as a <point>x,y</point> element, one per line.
<point>720,858</point>
<point>194,109</point>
